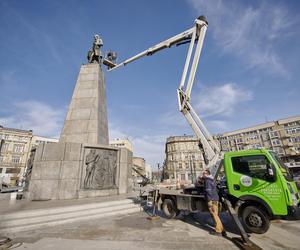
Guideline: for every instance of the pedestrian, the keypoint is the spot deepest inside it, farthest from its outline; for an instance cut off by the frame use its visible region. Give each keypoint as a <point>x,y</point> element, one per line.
<point>212,198</point>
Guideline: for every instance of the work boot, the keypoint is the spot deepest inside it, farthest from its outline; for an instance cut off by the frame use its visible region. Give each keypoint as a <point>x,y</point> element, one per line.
<point>214,233</point>
<point>224,234</point>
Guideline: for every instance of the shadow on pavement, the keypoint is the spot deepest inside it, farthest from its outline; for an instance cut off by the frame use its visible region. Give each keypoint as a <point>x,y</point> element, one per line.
<point>206,221</point>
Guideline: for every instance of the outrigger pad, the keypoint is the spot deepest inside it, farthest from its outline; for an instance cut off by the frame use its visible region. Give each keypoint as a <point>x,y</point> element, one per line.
<point>245,246</point>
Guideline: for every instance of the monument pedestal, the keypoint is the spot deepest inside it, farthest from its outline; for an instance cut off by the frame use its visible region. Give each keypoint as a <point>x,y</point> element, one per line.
<point>59,171</point>
<point>82,164</point>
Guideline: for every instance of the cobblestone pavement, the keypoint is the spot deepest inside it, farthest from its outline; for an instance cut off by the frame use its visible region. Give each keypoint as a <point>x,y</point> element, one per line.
<point>134,231</point>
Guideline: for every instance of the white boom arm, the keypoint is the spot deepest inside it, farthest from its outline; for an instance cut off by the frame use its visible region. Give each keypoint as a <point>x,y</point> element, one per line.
<point>194,36</point>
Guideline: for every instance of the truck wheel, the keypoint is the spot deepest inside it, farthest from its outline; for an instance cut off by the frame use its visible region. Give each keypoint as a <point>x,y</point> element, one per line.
<point>255,220</point>
<point>169,209</point>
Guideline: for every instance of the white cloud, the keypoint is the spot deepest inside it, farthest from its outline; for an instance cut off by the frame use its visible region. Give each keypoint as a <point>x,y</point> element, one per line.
<point>217,125</point>
<point>42,118</point>
<point>172,118</point>
<point>150,147</point>
<point>220,100</point>
<point>248,33</point>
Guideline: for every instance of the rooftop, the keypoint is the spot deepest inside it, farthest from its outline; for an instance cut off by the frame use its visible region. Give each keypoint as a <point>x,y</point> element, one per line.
<point>15,130</point>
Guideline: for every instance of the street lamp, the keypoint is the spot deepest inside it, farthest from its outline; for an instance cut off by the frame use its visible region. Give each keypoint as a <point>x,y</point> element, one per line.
<point>158,168</point>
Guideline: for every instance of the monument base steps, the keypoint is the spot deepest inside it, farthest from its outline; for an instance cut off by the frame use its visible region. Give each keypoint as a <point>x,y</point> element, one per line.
<point>32,219</point>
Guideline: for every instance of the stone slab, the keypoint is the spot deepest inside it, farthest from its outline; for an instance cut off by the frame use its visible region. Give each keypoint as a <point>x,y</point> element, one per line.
<point>70,170</point>
<point>72,151</point>
<point>43,189</point>
<point>53,152</point>
<point>96,193</point>
<point>67,189</point>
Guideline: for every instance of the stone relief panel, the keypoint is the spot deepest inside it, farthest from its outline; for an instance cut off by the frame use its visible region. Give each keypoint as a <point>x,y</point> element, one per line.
<point>99,168</point>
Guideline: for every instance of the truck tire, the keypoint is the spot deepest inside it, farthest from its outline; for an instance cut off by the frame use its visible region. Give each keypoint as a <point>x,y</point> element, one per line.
<point>169,209</point>
<point>255,220</point>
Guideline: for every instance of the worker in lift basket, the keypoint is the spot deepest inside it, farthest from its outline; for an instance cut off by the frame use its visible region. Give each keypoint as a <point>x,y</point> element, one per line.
<point>212,198</point>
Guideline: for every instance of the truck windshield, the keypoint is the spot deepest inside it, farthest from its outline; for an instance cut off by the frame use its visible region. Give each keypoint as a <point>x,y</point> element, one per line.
<point>284,169</point>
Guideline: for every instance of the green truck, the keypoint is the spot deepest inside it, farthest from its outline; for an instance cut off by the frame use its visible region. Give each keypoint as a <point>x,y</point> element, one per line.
<point>257,184</point>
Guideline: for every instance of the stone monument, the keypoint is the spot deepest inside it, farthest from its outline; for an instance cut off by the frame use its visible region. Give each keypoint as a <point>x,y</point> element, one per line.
<point>82,164</point>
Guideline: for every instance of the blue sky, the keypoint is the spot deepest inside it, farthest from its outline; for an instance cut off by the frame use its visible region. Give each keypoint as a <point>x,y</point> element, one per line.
<point>248,72</point>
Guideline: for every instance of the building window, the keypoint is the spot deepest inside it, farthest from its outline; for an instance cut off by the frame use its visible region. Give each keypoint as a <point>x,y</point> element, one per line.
<point>180,165</point>
<point>254,137</point>
<point>182,177</point>
<point>278,150</point>
<point>239,140</point>
<point>15,159</point>
<point>253,166</point>
<point>5,147</point>
<point>18,148</point>
<point>13,170</point>
<point>187,165</point>
<point>293,130</point>
<point>254,146</point>
<point>274,134</point>
<point>189,177</point>
<point>276,142</point>
<point>294,139</point>
<point>1,159</point>
<point>290,124</point>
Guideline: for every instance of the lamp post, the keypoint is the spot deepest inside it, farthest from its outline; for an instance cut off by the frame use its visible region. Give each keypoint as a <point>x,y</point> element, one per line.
<point>191,167</point>
<point>158,173</point>
<point>1,144</point>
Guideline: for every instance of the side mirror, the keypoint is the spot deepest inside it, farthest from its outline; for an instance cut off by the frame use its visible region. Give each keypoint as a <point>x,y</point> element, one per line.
<point>271,172</point>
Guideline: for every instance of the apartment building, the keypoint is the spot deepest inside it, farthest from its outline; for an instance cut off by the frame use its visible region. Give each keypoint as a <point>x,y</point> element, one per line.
<point>281,136</point>
<point>37,140</point>
<point>122,143</point>
<point>15,148</point>
<point>184,160</point>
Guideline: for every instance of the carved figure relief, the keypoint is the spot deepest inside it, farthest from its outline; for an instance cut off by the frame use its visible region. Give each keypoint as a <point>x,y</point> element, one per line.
<point>101,169</point>
<point>90,162</point>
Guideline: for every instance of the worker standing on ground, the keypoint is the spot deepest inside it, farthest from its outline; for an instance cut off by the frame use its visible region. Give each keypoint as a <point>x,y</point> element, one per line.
<point>212,198</point>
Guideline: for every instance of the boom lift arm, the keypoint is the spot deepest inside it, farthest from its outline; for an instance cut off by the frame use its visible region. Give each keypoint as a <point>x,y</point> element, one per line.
<point>195,36</point>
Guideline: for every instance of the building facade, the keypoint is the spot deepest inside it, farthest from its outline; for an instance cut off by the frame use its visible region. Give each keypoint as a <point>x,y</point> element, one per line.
<point>15,147</point>
<point>122,143</point>
<point>281,136</point>
<point>139,164</point>
<point>148,170</point>
<point>184,160</point>
<point>37,140</point>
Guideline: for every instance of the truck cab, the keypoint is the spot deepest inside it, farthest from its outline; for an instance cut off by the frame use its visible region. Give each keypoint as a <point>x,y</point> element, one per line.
<point>260,188</point>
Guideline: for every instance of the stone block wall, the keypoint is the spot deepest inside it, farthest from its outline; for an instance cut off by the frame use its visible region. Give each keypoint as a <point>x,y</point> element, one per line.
<point>59,168</point>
